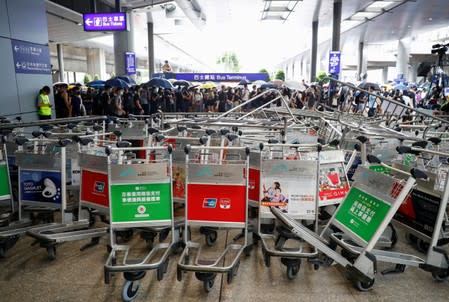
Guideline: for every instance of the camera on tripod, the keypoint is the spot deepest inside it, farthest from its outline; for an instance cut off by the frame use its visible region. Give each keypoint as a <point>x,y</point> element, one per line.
<point>440,49</point>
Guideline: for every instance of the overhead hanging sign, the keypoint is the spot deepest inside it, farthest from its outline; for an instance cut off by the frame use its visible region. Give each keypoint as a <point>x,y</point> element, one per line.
<point>334,62</point>
<point>105,22</point>
<point>213,77</point>
<point>31,58</point>
<point>130,62</point>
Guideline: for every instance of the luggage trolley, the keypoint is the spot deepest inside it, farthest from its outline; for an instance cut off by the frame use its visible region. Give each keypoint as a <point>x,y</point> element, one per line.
<point>362,216</point>
<point>6,196</point>
<point>216,196</point>
<point>140,196</point>
<point>43,182</point>
<point>290,184</point>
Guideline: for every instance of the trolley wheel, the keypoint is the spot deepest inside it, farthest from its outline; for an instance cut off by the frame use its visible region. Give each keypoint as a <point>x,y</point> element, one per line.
<point>92,219</point>
<point>394,236</point>
<point>163,234</point>
<point>211,238</point>
<point>126,235</point>
<point>247,250</point>
<point>364,286</point>
<point>412,239</point>
<point>316,266</point>
<point>440,276</point>
<point>422,246</point>
<point>233,272</point>
<point>150,243</point>
<point>208,284</point>
<point>51,252</point>
<point>161,270</point>
<point>292,271</point>
<point>2,251</point>
<point>179,274</point>
<point>129,291</point>
<point>266,258</point>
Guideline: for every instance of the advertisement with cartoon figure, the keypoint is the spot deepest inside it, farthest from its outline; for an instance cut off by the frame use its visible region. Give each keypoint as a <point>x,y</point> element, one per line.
<point>333,183</point>
<point>179,182</point>
<point>289,185</point>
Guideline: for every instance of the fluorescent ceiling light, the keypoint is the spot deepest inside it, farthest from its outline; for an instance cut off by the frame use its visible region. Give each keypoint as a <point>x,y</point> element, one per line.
<point>380,4</point>
<point>363,15</point>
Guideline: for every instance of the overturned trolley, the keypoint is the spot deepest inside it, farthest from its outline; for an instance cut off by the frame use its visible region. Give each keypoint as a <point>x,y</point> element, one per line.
<point>216,196</point>
<point>362,216</point>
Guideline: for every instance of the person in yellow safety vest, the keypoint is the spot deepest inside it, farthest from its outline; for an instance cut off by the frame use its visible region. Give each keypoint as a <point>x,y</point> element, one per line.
<point>43,104</point>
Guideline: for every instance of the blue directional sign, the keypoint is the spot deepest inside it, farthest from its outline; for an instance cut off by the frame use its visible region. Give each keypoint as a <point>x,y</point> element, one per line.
<point>213,77</point>
<point>130,62</point>
<point>334,62</point>
<point>31,58</point>
<point>104,22</point>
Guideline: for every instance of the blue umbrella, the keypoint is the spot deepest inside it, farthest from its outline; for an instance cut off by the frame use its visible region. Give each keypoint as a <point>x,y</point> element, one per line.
<point>400,87</point>
<point>159,82</point>
<point>127,79</point>
<point>115,82</point>
<point>96,84</point>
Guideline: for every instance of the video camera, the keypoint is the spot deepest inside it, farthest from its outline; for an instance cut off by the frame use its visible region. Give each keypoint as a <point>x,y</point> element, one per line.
<point>440,49</point>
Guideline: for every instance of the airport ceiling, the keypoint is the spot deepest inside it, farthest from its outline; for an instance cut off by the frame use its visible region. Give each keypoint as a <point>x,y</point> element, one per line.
<point>376,22</point>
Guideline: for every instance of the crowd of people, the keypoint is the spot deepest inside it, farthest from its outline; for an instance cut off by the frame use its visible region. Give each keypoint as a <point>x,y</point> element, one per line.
<point>137,100</point>
<point>145,100</point>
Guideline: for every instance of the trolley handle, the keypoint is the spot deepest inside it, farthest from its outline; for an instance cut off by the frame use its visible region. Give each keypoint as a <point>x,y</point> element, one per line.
<point>126,146</point>
<point>152,130</point>
<point>414,172</point>
<point>188,148</point>
<point>417,151</point>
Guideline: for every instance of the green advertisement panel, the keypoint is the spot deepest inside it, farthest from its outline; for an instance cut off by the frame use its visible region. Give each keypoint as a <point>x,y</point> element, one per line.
<point>380,169</point>
<point>362,213</point>
<point>141,202</point>
<point>4,181</point>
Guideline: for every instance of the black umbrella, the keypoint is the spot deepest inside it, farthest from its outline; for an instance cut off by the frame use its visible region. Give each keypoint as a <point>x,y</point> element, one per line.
<point>269,86</point>
<point>181,83</point>
<point>244,82</point>
<point>367,85</point>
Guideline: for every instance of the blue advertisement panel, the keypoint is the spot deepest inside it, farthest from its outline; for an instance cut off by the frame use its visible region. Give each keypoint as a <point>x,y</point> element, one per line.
<point>334,62</point>
<point>31,58</point>
<point>213,77</point>
<point>40,186</point>
<point>105,22</point>
<point>130,62</point>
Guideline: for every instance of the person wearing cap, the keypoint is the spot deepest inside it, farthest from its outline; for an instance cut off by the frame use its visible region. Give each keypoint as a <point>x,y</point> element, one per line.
<point>43,104</point>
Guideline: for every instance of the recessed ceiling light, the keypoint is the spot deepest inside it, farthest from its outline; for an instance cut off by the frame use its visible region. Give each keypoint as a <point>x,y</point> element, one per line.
<point>430,19</point>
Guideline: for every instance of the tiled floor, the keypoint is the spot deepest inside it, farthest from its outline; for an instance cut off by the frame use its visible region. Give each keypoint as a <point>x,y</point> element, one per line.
<point>27,275</point>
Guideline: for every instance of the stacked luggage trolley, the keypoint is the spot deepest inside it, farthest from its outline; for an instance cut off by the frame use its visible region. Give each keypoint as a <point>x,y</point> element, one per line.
<point>316,186</point>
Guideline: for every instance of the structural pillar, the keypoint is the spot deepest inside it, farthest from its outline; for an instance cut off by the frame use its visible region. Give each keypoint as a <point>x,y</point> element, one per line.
<point>402,59</point>
<point>60,62</point>
<point>93,6</point>
<point>385,74</point>
<point>360,67</point>
<point>336,21</point>
<point>150,44</point>
<point>413,73</point>
<point>123,42</point>
<point>314,50</point>
<point>96,62</point>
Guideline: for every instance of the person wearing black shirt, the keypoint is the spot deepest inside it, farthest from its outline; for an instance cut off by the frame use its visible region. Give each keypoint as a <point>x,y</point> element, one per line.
<point>106,101</point>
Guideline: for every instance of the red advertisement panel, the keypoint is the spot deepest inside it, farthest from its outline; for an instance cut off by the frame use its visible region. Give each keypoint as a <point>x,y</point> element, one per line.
<point>95,188</point>
<point>254,184</point>
<point>224,203</point>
